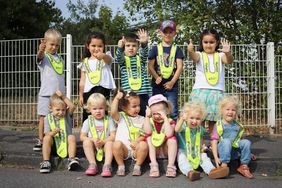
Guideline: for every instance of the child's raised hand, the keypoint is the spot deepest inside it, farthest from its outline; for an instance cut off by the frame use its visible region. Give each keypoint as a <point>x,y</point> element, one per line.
<point>225,46</point>
<point>59,93</point>
<point>190,46</point>
<point>99,55</point>
<point>119,95</point>
<point>121,42</point>
<point>42,45</point>
<point>148,112</point>
<point>143,36</point>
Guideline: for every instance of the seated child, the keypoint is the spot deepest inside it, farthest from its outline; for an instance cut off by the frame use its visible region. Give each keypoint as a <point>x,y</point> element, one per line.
<point>129,141</point>
<point>227,138</point>
<point>97,135</point>
<point>190,139</point>
<point>160,131</point>
<point>58,131</point>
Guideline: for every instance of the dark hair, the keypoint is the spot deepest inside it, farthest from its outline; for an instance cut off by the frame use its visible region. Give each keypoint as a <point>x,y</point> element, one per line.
<point>131,37</point>
<point>93,35</point>
<point>124,102</point>
<point>209,32</point>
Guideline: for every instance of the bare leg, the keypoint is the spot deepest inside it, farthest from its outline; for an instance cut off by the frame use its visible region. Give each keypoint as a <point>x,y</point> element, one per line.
<point>88,147</point>
<point>41,127</point>
<point>141,153</point>
<point>108,153</point>
<point>46,147</point>
<point>71,146</point>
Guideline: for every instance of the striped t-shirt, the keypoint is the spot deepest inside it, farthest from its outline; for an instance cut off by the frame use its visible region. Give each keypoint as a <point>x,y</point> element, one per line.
<point>143,53</point>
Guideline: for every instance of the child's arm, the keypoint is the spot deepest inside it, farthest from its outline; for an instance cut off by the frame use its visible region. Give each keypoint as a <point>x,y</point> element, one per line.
<point>143,39</point>
<point>81,87</point>
<point>215,152</point>
<point>153,72</point>
<point>192,54</point>
<point>54,132</point>
<point>70,105</point>
<point>227,58</point>
<point>120,51</point>
<point>170,84</point>
<point>147,124</point>
<point>178,125</point>
<point>169,130</point>
<point>114,107</point>
<point>41,50</point>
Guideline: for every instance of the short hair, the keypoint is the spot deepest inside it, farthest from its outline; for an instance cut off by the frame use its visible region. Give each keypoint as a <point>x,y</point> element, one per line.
<point>96,98</point>
<point>131,37</point>
<point>53,33</point>
<point>234,100</point>
<point>194,107</point>
<point>56,99</point>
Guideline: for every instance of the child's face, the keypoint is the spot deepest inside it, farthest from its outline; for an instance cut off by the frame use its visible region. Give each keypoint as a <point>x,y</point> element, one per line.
<point>130,48</point>
<point>98,110</point>
<point>156,109</point>
<point>209,44</point>
<point>229,112</point>
<point>133,108</point>
<point>58,110</point>
<point>194,119</point>
<point>52,44</point>
<point>167,35</point>
<point>96,46</point>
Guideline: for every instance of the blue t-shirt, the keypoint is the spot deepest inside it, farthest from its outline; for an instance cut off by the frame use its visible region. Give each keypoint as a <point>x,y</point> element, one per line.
<point>166,53</point>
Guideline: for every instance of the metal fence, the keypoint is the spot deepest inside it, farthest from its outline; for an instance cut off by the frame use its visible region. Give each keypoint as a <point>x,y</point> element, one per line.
<point>255,75</point>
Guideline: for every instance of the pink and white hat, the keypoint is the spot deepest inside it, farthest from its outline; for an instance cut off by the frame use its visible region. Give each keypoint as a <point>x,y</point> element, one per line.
<point>156,99</point>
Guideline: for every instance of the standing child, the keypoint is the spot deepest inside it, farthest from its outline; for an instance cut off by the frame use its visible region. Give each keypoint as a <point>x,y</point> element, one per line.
<point>129,142</point>
<point>97,135</point>
<point>133,67</point>
<point>58,132</point>
<point>96,75</point>
<point>190,139</point>
<point>165,65</point>
<point>227,138</point>
<point>52,77</point>
<point>160,130</point>
<point>209,83</point>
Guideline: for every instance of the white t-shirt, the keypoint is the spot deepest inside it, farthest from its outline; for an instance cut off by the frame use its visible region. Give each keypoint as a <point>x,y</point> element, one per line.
<point>200,80</point>
<point>122,133</point>
<point>99,124</point>
<point>107,79</point>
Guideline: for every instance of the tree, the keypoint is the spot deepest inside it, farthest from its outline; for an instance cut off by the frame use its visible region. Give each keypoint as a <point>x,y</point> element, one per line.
<point>27,19</point>
<point>84,19</point>
<point>241,21</point>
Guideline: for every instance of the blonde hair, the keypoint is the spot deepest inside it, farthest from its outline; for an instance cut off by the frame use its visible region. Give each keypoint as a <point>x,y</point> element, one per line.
<point>194,107</point>
<point>52,33</point>
<point>56,100</point>
<point>96,98</point>
<point>233,100</point>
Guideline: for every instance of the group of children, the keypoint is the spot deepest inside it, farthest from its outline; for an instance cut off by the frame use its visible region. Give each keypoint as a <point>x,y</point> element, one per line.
<point>143,118</point>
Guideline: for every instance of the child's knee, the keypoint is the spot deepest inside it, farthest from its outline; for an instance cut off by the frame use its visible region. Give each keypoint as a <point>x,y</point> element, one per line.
<point>143,146</point>
<point>117,145</point>
<point>47,139</point>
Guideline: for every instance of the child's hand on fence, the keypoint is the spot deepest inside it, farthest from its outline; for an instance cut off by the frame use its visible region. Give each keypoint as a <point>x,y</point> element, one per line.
<point>159,80</point>
<point>121,42</point>
<point>225,46</point>
<point>143,36</point>
<point>190,46</point>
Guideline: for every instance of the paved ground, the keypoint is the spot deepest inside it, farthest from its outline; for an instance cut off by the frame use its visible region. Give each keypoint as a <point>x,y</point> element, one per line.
<point>16,151</point>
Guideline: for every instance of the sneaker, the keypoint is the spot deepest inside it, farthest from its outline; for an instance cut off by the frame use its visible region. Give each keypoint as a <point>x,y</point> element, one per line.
<point>73,164</point>
<point>92,170</point>
<point>245,171</point>
<point>38,145</point>
<point>106,172</point>
<point>220,172</point>
<point>45,167</point>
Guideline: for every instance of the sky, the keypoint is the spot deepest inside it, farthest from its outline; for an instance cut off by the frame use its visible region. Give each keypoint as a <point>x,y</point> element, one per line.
<point>115,5</point>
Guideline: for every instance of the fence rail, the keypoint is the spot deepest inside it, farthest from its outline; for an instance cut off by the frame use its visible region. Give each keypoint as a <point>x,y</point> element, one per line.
<point>255,76</point>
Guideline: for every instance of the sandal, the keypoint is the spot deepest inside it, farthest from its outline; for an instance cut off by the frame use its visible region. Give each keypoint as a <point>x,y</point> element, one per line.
<point>136,171</point>
<point>171,171</point>
<point>154,171</point>
<point>121,171</point>
<point>245,171</point>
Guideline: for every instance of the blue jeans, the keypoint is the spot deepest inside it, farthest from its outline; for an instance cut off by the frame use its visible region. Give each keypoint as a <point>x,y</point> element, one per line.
<point>227,152</point>
<point>172,96</point>
<point>185,166</point>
